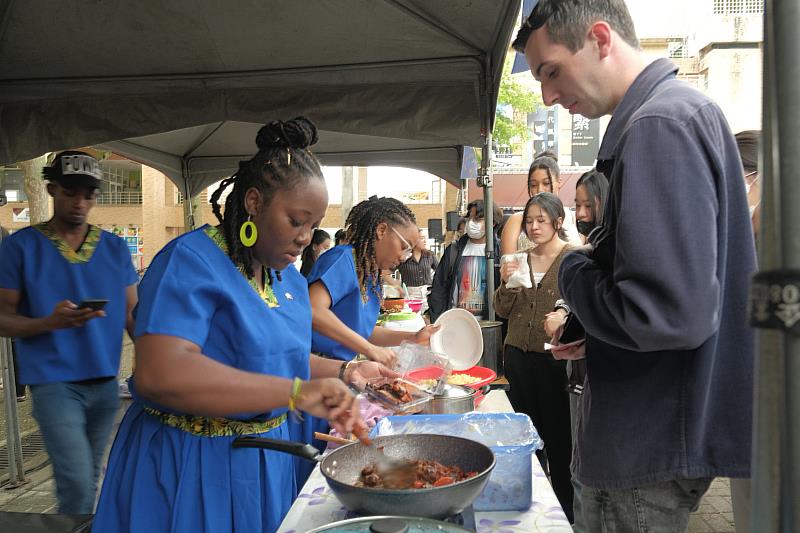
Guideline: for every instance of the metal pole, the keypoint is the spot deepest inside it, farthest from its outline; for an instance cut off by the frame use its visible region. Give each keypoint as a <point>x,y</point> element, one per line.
<point>485,181</point>
<point>768,418</point>
<point>786,58</point>
<point>13,442</point>
<point>776,431</point>
<point>188,203</point>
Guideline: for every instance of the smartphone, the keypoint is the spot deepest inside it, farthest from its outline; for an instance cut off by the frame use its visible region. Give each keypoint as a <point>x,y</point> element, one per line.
<point>573,330</point>
<point>94,305</point>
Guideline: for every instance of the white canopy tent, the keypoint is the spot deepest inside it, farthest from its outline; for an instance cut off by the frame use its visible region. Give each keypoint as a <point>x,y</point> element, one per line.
<point>187,84</point>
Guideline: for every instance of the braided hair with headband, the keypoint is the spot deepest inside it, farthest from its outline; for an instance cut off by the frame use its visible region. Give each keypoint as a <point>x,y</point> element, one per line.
<point>283,161</point>
<point>361,224</point>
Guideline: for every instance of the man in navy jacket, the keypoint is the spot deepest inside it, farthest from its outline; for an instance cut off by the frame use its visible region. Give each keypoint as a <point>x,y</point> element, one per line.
<point>662,288</point>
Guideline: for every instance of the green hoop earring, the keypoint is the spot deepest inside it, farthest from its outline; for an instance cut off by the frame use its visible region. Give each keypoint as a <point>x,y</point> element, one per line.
<point>248,233</point>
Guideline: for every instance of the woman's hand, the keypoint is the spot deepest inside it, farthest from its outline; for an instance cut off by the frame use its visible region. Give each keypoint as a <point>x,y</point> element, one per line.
<point>508,268</point>
<point>382,355</point>
<point>358,373</point>
<point>423,336</point>
<point>553,323</point>
<point>330,398</point>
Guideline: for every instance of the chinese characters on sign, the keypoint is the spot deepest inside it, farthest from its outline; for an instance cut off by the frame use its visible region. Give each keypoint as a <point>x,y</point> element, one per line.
<point>775,300</point>
<point>544,124</point>
<point>585,140</point>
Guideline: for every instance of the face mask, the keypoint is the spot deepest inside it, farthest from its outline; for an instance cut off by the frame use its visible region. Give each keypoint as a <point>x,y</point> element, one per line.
<point>584,227</point>
<point>475,230</point>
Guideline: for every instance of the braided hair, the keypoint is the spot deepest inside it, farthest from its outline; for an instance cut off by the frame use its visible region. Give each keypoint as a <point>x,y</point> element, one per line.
<point>283,161</point>
<point>361,224</point>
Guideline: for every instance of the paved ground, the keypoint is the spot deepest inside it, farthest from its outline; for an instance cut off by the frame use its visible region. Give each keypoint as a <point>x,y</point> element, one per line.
<point>38,494</point>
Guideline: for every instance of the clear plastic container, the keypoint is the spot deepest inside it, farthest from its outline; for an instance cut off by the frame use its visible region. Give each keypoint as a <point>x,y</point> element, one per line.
<point>408,394</point>
<point>398,395</point>
<point>511,436</point>
<point>414,360</point>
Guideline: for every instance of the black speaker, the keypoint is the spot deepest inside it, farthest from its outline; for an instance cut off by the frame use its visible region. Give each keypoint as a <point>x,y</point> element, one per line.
<point>435,229</point>
<point>452,220</point>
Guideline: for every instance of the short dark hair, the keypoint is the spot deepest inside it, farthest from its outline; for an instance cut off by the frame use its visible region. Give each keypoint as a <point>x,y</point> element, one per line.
<point>596,186</point>
<point>552,206</point>
<point>748,142</point>
<point>569,20</point>
<point>479,211</point>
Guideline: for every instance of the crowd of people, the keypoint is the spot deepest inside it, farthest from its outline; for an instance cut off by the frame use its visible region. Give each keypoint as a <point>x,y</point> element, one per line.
<point>231,339</point>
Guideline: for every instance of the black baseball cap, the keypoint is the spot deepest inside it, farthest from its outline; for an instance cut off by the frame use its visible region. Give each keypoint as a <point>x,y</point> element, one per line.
<point>74,169</point>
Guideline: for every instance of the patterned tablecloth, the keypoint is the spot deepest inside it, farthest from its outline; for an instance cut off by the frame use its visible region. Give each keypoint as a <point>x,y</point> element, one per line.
<point>316,505</point>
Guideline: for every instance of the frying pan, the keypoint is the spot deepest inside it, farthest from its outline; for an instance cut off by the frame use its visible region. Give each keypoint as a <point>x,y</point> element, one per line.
<point>343,466</point>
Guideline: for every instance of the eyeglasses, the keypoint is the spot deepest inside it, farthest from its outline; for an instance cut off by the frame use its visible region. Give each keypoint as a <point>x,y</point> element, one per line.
<point>408,250</point>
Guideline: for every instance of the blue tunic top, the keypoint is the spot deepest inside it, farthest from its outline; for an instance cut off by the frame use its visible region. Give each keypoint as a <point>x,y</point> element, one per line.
<point>164,479</point>
<point>336,269</point>
<point>46,271</point>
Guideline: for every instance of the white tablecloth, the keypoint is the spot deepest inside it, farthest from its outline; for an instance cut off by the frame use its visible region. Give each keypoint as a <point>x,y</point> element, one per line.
<point>316,505</point>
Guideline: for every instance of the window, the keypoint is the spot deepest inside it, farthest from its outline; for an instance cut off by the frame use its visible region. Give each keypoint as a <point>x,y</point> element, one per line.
<point>12,184</point>
<point>738,7</point>
<point>677,49</point>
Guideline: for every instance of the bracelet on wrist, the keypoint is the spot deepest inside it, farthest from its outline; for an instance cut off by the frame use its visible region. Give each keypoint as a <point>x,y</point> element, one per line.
<point>343,370</point>
<point>297,385</point>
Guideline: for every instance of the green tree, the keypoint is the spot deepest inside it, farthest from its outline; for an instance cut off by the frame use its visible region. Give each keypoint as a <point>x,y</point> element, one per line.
<point>521,100</point>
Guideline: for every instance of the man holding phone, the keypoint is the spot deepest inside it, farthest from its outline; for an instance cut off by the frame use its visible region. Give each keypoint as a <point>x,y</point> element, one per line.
<point>67,290</point>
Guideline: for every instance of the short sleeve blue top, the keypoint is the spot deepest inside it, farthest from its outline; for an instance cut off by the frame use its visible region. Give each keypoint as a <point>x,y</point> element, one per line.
<point>192,290</point>
<point>336,268</point>
<point>39,265</point>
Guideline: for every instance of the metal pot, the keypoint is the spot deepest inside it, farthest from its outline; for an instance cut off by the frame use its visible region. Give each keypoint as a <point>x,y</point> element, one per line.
<point>457,399</point>
<point>453,400</point>
<point>342,468</point>
<point>492,332</point>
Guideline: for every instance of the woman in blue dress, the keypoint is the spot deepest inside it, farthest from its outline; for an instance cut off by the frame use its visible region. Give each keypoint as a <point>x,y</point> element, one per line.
<point>223,336</point>
<point>345,291</point>
<point>345,283</point>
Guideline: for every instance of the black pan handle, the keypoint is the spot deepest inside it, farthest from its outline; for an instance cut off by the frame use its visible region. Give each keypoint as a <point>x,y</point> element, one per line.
<point>299,449</point>
<point>494,386</point>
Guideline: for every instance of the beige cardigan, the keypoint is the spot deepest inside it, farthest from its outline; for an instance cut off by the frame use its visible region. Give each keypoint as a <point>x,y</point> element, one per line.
<point>525,309</point>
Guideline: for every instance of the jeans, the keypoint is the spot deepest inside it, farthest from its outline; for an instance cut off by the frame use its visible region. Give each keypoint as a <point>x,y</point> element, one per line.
<point>75,420</point>
<point>660,508</point>
<point>578,525</point>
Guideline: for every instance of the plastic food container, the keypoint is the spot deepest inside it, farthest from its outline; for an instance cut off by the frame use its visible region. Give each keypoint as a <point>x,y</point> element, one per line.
<point>511,436</point>
<point>412,359</point>
<point>400,396</point>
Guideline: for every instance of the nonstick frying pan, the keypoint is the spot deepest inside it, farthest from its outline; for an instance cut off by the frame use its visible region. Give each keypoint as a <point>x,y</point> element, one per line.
<point>343,466</point>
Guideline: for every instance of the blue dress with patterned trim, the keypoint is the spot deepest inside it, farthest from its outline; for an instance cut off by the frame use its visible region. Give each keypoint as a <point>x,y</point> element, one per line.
<point>336,269</point>
<point>161,479</point>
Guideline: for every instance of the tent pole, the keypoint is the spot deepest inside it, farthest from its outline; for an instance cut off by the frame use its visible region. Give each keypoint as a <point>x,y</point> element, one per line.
<point>188,198</point>
<point>16,469</point>
<point>786,62</point>
<point>776,431</point>
<point>485,182</point>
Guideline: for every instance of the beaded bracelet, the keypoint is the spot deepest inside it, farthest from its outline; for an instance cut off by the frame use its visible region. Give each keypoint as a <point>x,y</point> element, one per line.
<point>297,384</point>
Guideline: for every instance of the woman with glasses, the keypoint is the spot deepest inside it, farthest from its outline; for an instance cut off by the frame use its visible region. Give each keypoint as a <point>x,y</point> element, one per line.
<point>344,286</point>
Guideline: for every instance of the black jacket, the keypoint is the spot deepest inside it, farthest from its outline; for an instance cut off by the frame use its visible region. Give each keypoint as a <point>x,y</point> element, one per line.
<point>441,297</point>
